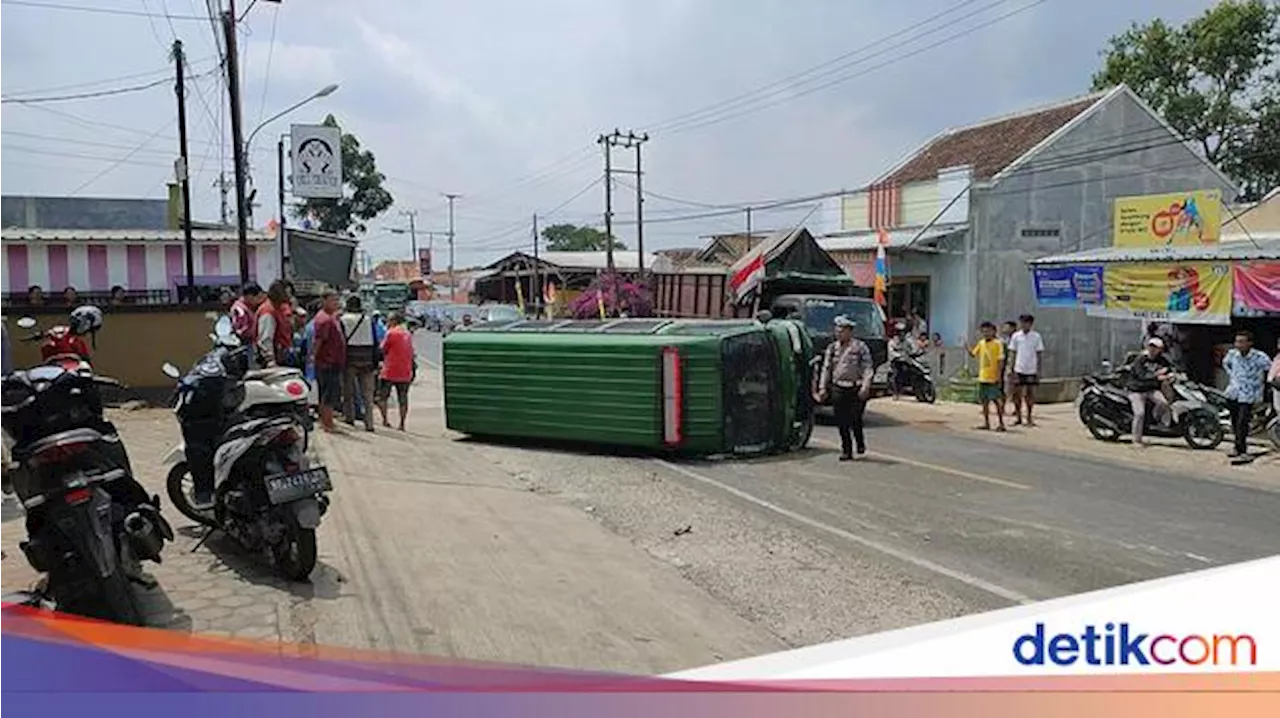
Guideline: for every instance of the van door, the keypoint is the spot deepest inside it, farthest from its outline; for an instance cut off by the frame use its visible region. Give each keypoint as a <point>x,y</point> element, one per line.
<point>751,392</point>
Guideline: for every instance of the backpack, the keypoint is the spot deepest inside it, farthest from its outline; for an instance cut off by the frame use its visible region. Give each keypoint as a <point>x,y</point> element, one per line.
<point>361,356</point>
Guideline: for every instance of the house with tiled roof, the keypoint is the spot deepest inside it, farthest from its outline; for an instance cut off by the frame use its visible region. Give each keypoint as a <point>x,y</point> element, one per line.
<point>963,213</point>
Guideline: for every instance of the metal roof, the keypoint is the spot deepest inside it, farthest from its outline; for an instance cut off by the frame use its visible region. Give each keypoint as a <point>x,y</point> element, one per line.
<point>20,234</point>
<point>1264,245</point>
<point>863,240</point>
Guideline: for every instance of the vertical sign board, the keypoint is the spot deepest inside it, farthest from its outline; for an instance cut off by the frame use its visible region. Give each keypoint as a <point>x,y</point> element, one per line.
<point>424,262</point>
<point>317,161</point>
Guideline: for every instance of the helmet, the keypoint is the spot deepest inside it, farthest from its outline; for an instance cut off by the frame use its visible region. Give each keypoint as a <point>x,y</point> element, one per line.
<point>85,319</point>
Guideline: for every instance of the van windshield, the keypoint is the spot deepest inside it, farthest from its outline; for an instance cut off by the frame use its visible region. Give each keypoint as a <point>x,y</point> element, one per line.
<point>820,315</point>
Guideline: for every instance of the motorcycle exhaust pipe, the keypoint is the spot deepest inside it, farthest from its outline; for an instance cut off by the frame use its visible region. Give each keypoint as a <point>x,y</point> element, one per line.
<point>144,540</point>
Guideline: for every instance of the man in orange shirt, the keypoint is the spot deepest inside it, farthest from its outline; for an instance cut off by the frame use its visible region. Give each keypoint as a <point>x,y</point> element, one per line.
<point>397,368</point>
<point>275,326</point>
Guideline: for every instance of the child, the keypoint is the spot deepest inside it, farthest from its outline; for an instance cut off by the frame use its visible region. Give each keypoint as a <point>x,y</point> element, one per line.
<point>990,353</point>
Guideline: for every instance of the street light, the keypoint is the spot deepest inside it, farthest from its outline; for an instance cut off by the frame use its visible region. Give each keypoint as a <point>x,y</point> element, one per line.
<point>248,148</point>
<point>322,92</point>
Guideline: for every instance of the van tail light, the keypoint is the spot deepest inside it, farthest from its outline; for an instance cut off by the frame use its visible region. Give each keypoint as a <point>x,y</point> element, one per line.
<point>672,397</point>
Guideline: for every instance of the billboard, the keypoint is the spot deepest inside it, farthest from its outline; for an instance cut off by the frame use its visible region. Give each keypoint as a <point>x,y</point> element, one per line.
<point>1167,220</point>
<point>316,161</point>
<point>1181,292</point>
<point>1257,288</point>
<point>1077,285</point>
<point>424,262</point>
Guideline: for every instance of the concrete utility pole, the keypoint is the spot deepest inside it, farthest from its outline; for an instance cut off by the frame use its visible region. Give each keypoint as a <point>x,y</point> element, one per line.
<point>184,173</point>
<point>223,187</point>
<point>748,227</point>
<point>453,284</point>
<point>604,142</point>
<point>412,214</point>
<point>628,141</point>
<point>237,136</point>
<point>284,236</point>
<point>535,286</point>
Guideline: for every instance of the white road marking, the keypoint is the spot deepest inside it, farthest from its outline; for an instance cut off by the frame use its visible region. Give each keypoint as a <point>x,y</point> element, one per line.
<point>917,561</point>
<point>935,467</point>
<point>1198,557</point>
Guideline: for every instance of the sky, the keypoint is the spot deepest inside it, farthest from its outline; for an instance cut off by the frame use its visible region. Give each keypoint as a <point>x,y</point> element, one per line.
<point>501,101</point>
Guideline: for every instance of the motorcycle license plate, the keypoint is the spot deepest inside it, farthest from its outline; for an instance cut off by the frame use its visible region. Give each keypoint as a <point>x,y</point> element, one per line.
<point>283,488</point>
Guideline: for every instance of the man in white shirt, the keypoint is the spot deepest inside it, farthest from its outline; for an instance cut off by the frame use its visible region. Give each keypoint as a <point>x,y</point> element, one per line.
<point>1028,347</point>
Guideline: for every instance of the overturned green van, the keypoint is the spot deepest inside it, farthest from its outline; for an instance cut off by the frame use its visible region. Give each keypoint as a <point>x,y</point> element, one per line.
<point>694,387</point>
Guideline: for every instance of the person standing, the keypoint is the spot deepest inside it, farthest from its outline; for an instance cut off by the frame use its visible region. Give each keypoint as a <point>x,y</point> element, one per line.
<point>1273,378</point>
<point>1028,349</point>
<point>990,353</point>
<point>329,354</point>
<point>397,368</point>
<point>1247,375</point>
<point>847,368</point>
<point>275,326</point>
<point>362,333</point>
<point>244,313</point>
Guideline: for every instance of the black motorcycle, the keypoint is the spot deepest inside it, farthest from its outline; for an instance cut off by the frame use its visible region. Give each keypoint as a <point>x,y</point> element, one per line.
<point>89,524</point>
<point>1107,414</point>
<point>909,373</point>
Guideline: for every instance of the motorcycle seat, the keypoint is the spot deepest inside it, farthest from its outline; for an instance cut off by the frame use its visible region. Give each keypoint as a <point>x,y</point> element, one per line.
<point>269,373</point>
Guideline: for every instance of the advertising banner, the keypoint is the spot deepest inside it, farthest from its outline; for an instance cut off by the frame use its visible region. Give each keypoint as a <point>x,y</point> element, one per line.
<point>1182,292</point>
<point>1079,285</point>
<point>317,161</point>
<point>1257,288</point>
<point>1166,220</point>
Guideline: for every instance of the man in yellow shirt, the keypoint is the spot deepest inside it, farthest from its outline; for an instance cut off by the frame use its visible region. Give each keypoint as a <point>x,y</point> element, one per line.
<point>990,353</point>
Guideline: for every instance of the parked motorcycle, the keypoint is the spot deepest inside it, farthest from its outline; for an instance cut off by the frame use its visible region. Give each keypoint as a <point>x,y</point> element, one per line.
<point>89,524</point>
<point>1106,412</point>
<point>268,495</point>
<point>908,372</point>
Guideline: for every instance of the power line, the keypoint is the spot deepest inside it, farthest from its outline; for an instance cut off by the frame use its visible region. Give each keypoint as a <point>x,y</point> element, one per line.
<point>102,10</point>
<point>125,158</point>
<point>167,71</point>
<point>271,51</point>
<point>85,95</point>
<point>787,97</point>
<point>75,155</point>
<point>799,76</point>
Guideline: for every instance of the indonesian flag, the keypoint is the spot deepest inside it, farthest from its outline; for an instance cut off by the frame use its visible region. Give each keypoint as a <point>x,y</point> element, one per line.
<point>746,279</point>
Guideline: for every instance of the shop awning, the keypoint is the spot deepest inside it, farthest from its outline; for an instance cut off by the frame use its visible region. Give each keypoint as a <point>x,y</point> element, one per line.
<point>904,238</point>
<point>1263,246</point>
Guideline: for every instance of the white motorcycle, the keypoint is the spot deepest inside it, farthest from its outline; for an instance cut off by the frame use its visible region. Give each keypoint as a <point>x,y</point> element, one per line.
<point>268,494</point>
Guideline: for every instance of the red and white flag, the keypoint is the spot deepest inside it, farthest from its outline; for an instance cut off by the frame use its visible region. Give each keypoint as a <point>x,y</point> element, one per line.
<point>746,278</point>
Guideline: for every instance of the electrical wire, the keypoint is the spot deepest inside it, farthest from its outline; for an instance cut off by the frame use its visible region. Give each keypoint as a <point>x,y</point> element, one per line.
<point>123,159</point>
<point>271,51</point>
<point>85,95</point>
<point>167,71</point>
<point>101,10</point>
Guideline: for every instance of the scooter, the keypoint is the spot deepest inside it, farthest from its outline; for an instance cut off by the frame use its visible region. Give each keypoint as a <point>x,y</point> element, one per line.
<point>268,494</point>
<point>1105,410</point>
<point>908,372</point>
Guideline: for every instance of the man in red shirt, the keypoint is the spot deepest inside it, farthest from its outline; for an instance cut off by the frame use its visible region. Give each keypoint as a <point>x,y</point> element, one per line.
<point>397,368</point>
<point>244,311</point>
<point>329,355</point>
<point>275,326</point>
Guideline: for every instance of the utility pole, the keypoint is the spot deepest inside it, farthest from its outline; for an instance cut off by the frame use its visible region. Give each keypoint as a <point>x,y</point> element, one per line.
<point>748,228</point>
<point>453,285</point>
<point>237,136</point>
<point>413,232</point>
<point>535,286</point>
<point>284,238</point>
<point>184,173</point>
<point>628,141</point>
<point>222,185</point>
<point>604,141</point>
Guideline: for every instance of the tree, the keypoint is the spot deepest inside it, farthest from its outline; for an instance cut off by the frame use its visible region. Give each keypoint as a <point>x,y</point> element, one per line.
<point>616,294</point>
<point>363,198</point>
<point>572,238</point>
<point>1214,80</point>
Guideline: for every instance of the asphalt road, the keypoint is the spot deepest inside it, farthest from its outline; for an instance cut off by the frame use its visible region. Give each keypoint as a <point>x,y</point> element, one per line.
<point>998,524</point>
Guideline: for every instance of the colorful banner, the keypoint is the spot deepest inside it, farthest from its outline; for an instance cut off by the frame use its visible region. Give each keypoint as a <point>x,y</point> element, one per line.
<point>1183,293</point>
<point>1079,285</point>
<point>1257,288</point>
<point>1164,220</point>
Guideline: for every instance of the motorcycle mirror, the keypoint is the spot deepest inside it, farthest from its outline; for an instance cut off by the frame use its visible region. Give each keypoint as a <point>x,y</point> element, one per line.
<point>170,370</point>
<point>26,322</point>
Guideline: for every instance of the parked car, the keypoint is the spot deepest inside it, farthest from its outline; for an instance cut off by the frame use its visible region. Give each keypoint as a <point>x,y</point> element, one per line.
<point>454,316</point>
<point>499,313</point>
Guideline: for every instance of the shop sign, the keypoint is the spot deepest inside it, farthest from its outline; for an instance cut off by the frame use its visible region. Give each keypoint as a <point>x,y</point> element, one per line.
<point>1180,293</point>
<point>1257,288</point>
<point>1168,220</point>
<point>1073,286</point>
